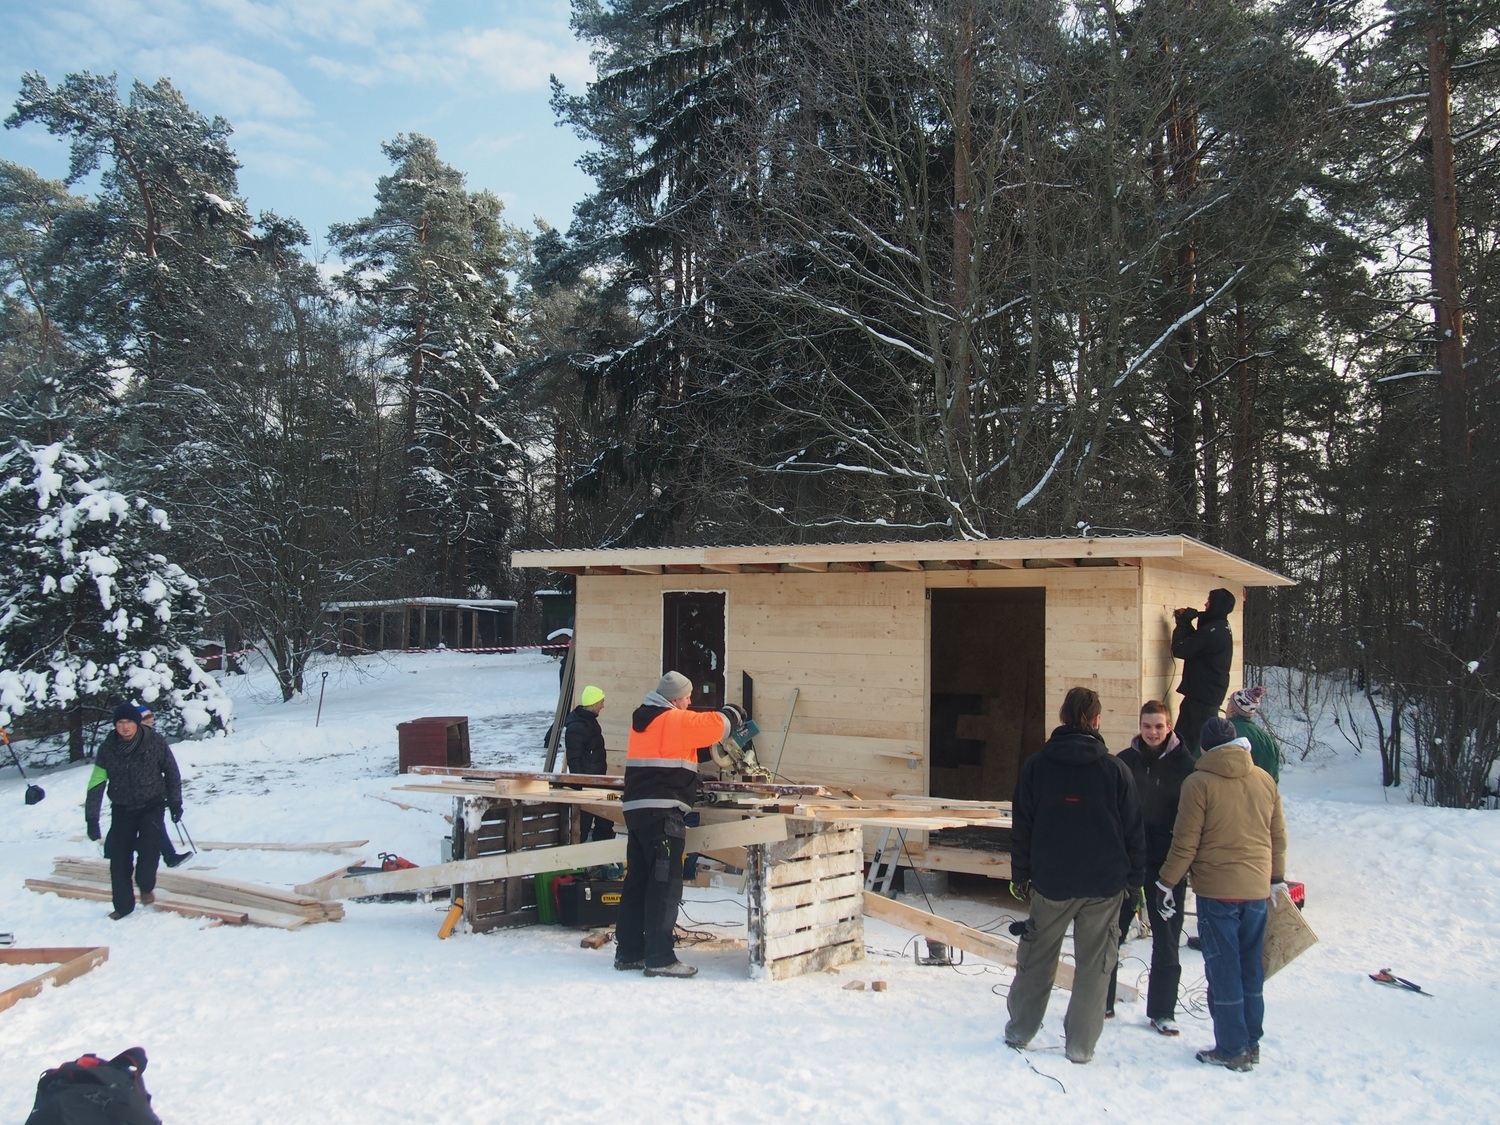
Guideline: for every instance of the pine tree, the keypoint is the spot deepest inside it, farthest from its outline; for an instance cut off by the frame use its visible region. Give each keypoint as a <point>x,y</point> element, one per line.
<point>428,266</point>
<point>89,613</point>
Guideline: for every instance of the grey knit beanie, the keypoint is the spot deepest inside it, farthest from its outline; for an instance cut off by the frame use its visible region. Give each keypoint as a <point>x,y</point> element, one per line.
<point>673,686</point>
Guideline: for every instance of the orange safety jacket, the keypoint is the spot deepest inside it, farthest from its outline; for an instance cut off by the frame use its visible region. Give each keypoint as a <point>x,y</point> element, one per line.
<point>661,759</point>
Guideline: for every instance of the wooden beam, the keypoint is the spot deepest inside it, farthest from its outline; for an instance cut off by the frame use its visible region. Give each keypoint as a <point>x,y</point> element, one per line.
<point>235,846</point>
<point>71,961</point>
<point>721,568</point>
<point>808,567</point>
<point>989,946</point>
<point>509,865</point>
<point>642,568</point>
<point>898,564</point>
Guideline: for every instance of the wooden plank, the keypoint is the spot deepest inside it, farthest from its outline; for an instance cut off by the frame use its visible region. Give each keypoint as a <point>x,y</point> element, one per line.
<point>817,844</point>
<point>75,961</point>
<point>224,891</point>
<point>231,846</point>
<point>989,946</point>
<point>807,870</point>
<point>823,912</point>
<point>817,960</point>
<point>789,945</point>
<point>509,865</point>
<point>190,907</point>
<point>827,889</point>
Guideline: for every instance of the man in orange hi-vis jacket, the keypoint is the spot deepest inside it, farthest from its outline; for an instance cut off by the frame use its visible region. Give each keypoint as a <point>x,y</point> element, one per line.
<point>661,776</point>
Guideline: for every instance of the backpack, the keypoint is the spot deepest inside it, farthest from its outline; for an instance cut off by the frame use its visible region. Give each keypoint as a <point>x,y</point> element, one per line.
<point>91,1091</point>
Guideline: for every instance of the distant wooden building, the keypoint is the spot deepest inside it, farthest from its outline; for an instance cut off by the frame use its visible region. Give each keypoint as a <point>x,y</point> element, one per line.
<point>420,623</point>
<point>927,668</point>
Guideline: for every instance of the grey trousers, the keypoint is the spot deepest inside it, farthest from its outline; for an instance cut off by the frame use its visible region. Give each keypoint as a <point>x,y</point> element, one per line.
<point>1096,938</point>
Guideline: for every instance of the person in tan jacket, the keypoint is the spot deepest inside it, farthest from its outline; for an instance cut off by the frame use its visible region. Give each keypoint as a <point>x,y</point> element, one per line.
<point>1230,837</point>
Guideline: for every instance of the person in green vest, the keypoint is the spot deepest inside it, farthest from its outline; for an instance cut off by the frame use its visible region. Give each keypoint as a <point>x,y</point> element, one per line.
<point>1264,752</point>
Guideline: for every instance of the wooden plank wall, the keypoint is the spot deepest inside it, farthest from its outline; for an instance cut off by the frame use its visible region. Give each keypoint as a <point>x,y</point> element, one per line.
<point>805,901</point>
<point>1165,585</point>
<point>855,645</point>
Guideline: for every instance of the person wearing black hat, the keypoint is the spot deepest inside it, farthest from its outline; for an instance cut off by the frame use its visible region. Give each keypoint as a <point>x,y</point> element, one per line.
<point>1205,645</point>
<point>138,770</point>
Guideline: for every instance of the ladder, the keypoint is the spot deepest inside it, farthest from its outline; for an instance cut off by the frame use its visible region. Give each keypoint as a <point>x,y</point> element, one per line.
<point>883,866</point>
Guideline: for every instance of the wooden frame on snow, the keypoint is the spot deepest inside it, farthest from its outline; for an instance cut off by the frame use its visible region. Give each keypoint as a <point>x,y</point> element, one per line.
<point>70,962</point>
<point>931,668</point>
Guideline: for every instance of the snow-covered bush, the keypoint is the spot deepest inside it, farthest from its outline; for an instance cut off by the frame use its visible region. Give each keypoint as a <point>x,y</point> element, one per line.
<point>89,614</point>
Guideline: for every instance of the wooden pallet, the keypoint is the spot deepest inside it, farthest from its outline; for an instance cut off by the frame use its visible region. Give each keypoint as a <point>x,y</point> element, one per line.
<point>805,901</point>
<point>71,962</point>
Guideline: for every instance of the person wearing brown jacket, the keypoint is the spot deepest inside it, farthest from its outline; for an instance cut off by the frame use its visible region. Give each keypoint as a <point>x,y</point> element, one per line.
<point>1230,837</point>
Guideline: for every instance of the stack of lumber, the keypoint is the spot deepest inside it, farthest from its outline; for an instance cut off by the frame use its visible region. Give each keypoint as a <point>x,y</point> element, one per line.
<point>196,895</point>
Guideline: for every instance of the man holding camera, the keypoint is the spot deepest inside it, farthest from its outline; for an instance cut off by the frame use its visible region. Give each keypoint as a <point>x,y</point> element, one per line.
<point>1205,645</point>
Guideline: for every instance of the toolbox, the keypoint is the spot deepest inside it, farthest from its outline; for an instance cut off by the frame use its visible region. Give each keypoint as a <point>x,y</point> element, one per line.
<point>585,903</point>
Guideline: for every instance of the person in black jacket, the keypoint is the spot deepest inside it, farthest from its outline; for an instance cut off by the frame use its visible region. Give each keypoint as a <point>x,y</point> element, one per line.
<point>584,740</point>
<point>1160,764</point>
<point>1206,650</point>
<point>141,774</point>
<point>1077,846</point>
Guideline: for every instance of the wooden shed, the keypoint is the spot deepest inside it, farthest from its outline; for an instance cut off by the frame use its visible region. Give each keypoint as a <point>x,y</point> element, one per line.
<point>918,668</point>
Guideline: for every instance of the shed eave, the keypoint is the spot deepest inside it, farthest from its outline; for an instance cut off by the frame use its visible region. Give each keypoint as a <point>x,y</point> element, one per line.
<point>804,557</point>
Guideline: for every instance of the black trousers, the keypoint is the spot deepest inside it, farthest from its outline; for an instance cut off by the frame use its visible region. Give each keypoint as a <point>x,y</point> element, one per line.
<point>1166,961</point>
<point>133,845</point>
<point>1191,715</point>
<point>653,891</point>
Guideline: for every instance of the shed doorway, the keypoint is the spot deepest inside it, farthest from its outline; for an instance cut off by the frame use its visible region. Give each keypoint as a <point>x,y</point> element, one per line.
<point>988,678</point>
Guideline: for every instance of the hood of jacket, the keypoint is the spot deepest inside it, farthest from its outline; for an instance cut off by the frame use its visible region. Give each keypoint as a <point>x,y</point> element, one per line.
<point>1230,760</point>
<point>1150,755</point>
<point>1073,746</point>
<point>1220,603</point>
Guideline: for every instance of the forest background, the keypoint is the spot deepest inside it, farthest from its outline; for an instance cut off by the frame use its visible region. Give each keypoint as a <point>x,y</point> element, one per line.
<point>851,271</point>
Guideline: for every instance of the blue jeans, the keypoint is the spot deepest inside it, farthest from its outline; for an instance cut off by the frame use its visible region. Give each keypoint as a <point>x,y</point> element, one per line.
<point>1232,934</point>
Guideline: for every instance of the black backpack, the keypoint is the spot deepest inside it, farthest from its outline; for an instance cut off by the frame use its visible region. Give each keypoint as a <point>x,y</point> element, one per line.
<point>90,1091</point>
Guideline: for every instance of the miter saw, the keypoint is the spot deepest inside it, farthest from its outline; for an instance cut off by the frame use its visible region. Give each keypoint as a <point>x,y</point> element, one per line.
<point>735,755</point>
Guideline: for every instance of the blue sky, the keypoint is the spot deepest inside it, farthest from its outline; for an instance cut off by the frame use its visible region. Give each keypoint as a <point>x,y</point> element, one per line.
<point>312,87</point>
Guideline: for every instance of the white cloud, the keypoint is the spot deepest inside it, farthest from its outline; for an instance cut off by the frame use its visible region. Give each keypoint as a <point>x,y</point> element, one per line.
<point>351,22</point>
<point>238,87</point>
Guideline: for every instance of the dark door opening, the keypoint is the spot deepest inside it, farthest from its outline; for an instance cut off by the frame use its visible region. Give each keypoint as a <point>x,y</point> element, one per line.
<point>693,643</point>
<point>988,686</point>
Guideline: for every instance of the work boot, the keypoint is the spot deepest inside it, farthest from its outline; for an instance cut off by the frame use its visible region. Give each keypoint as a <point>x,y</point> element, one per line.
<point>1254,1053</point>
<point>675,969</point>
<point>1165,1026</point>
<point>629,966</point>
<point>148,897</point>
<point>1239,1063</point>
<point>176,859</point>
<point>116,915</point>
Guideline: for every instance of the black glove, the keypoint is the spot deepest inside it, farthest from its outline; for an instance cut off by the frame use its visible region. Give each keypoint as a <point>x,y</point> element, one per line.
<point>176,814</point>
<point>94,832</point>
<point>1185,614</point>
<point>735,715</point>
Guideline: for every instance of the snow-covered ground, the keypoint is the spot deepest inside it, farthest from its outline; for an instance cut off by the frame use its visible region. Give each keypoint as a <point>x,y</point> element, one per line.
<point>374,1020</point>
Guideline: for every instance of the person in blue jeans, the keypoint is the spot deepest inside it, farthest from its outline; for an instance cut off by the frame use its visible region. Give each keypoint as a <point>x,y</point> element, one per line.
<point>1230,837</point>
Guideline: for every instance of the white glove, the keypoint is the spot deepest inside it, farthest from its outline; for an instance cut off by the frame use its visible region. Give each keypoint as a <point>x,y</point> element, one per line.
<point>1280,889</point>
<point>1168,903</point>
